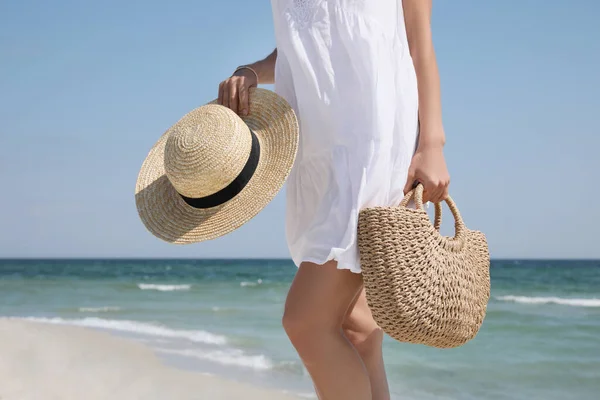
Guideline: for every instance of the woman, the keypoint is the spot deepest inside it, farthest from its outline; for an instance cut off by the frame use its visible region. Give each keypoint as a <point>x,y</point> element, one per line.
<point>362,78</point>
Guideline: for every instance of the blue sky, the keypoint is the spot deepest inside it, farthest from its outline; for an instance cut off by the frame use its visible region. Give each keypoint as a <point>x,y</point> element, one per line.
<point>86,88</point>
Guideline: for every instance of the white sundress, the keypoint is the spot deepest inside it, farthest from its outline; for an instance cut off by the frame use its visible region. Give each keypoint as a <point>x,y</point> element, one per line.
<point>345,68</point>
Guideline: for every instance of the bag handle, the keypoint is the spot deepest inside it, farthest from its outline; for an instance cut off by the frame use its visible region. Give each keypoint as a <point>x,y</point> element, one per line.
<point>457,242</point>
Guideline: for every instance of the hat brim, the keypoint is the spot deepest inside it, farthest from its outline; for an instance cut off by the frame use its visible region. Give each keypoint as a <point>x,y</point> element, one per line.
<point>166,215</point>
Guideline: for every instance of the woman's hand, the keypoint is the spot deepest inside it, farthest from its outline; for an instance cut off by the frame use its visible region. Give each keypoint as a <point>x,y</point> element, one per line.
<point>233,91</point>
<point>428,167</point>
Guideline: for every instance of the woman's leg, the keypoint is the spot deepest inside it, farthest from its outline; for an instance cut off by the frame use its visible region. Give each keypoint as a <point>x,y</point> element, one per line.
<point>362,331</point>
<point>316,307</point>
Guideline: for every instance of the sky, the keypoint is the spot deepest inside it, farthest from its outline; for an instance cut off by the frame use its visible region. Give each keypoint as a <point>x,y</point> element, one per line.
<point>86,88</point>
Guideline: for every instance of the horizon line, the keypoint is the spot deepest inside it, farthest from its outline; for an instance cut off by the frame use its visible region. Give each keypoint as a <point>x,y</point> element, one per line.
<point>252,258</point>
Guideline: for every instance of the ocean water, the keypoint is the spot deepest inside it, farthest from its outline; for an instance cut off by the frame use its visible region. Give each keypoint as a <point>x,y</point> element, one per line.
<point>540,339</point>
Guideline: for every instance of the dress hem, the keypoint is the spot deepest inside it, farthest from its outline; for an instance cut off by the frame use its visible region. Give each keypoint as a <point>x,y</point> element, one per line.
<point>342,266</point>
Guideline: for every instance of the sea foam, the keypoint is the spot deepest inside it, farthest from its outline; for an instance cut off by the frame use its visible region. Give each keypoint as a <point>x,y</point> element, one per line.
<point>142,328</point>
<point>233,357</point>
<point>99,309</point>
<point>246,284</point>
<point>552,300</point>
<point>163,288</point>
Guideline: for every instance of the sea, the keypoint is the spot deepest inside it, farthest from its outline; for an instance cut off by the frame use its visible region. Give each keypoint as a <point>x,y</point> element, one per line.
<point>540,339</point>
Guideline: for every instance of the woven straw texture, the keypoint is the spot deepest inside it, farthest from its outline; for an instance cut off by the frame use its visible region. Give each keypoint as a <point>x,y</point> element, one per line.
<point>201,154</point>
<point>423,287</point>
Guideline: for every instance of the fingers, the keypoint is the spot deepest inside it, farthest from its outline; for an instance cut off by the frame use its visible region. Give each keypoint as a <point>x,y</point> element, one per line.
<point>234,94</point>
<point>434,191</point>
<point>220,99</point>
<point>426,195</point>
<point>233,98</point>
<point>244,103</point>
<point>226,90</point>
<point>445,193</point>
<point>410,182</point>
<point>438,191</point>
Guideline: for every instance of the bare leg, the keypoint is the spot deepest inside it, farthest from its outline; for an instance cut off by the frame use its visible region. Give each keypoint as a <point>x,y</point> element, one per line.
<point>316,307</point>
<point>364,334</point>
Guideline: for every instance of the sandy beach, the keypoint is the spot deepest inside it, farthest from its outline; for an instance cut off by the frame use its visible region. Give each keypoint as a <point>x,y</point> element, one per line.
<point>42,361</point>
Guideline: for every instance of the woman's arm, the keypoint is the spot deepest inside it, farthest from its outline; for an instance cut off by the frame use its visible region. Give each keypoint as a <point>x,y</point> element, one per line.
<point>428,165</point>
<point>417,17</point>
<point>265,68</point>
<point>233,91</point>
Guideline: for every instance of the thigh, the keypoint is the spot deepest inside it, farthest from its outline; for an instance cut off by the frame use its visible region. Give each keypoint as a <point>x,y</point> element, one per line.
<point>322,293</point>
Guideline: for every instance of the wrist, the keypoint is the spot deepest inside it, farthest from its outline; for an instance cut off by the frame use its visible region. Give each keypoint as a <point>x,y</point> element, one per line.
<point>247,71</point>
<point>431,144</point>
<point>431,139</point>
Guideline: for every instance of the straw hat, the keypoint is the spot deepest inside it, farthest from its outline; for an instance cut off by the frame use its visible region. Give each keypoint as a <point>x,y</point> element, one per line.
<point>213,171</point>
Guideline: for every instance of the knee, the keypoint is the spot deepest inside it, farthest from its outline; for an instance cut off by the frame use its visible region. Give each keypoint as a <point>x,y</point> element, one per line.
<point>290,323</point>
<point>303,327</point>
<point>296,328</point>
<point>296,325</point>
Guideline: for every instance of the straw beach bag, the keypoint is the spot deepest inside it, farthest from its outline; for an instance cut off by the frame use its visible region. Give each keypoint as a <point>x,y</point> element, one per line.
<point>423,287</point>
